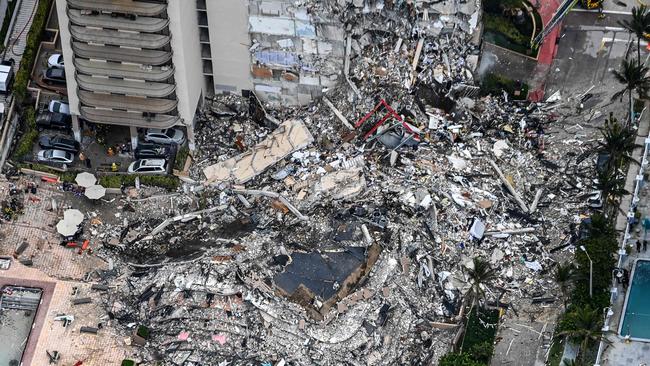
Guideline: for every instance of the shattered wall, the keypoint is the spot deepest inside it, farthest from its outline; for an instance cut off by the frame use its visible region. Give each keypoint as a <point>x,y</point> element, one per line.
<point>295,53</point>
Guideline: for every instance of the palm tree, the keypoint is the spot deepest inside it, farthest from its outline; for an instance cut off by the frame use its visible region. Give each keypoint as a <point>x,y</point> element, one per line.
<point>639,24</point>
<point>618,142</point>
<point>479,276</point>
<point>564,276</point>
<point>583,325</point>
<point>611,185</point>
<point>634,78</point>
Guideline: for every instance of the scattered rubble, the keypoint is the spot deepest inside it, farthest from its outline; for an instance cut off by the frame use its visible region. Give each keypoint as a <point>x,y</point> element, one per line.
<point>339,233</point>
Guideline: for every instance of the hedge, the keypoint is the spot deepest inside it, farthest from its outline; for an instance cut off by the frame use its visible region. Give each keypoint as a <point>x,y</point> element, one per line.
<point>116,181</point>
<point>459,359</point>
<point>26,142</point>
<point>181,157</point>
<point>496,84</point>
<point>31,50</point>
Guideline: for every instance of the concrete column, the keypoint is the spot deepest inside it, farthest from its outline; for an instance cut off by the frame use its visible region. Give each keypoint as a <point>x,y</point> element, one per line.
<point>76,129</point>
<point>190,137</point>
<point>134,136</point>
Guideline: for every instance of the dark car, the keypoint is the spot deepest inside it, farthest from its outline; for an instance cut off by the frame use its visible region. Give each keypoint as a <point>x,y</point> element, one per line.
<point>150,151</point>
<point>59,143</point>
<point>54,75</point>
<point>54,121</point>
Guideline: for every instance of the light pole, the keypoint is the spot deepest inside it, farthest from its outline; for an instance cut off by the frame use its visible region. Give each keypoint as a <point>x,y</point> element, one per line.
<point>591,271</point>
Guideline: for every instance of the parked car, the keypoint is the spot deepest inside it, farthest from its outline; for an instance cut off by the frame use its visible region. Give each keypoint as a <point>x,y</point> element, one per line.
<point>167,136</point>
<point>59,142</point>
<point>54,121</point>
<point>6,76</point>
<point>54,75</point>
<point>149,151</point>
<point>148,166</point>
<point>55,60</point>
<point>57,106</point>
<point>55,156</point>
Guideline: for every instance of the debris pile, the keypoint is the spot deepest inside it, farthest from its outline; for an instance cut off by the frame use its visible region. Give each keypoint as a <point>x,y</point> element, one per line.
<point>341,232</point>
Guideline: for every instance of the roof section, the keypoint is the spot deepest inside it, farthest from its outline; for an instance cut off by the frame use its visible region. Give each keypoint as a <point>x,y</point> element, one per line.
<point>110,53</point>
<point>136,119</point>
<point>113,37</point>
<point>125,87</point>
<point>119,6</point>
<point>139,104</point>
<point>140,24</point>
<point>128,71</point>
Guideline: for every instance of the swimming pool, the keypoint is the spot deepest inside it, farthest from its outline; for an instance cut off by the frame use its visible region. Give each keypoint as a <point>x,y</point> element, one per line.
<point>636,312</point>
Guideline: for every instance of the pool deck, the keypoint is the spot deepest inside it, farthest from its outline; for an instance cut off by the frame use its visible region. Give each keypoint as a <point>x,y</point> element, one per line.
<point>620,351</point>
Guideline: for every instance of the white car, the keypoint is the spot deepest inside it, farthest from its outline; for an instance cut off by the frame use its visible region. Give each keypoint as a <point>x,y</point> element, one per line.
<point>57,106</point>
<point>148,166</point>
<point>55,156</point>
<point>167,136</point>
<point>55,60</point>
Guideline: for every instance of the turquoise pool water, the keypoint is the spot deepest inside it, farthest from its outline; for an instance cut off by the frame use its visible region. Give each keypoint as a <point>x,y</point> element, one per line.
<point>636,321</point>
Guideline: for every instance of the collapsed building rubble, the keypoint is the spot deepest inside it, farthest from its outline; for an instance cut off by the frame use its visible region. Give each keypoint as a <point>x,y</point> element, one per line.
<point>348,243</point>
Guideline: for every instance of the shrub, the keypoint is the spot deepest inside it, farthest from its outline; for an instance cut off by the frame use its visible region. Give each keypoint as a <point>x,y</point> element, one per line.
<point>476,333</point>
<point>459,359</point>
<point>482,352</point>
<point>181,157</point>
<point>143,331</point>
<point>496,84</point>
<point>116,181</point>
<point>31,49</point>
<point>26,142</point>
<point>128,363</point>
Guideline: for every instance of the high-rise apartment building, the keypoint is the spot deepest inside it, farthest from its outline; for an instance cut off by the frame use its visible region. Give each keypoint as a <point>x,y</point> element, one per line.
<point>149,64</point>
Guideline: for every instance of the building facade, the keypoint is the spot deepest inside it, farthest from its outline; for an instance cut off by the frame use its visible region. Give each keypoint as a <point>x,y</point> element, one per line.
<point>149,64</point>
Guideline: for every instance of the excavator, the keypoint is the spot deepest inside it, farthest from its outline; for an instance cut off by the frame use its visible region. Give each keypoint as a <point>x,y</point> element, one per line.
<point>561,12</point>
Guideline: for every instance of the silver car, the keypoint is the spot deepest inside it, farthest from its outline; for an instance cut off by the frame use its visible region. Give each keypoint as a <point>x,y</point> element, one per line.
<point>167,136</point>
<point>148,166</point>
<point>55,156</point>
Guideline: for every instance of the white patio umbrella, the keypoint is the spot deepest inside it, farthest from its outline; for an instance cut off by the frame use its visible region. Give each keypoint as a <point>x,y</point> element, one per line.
<point>66,228</point>
<point>95,192</point>
<point>85,179</point>
<point>74,216</point>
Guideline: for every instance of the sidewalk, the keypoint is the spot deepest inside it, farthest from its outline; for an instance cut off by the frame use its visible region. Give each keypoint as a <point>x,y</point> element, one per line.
<point>547,51</point>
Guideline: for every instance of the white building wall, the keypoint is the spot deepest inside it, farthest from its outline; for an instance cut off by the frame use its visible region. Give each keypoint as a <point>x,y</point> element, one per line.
<point>229,44</point>
<point>66,46</point>
<point>183,24</point>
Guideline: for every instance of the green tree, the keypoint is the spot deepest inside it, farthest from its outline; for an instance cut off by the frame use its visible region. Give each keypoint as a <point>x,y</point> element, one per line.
<point>479,276</point>
<point>634,78</point>
<point>582,325</point>
<point>612,187</point>
<point>618,141</point>
<point>458,359</point>
<point>639,24</point>
<point>563,276</point>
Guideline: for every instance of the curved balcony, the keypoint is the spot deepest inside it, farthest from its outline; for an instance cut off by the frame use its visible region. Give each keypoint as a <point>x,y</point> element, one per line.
<point>136,104</point>
<point>126,71</point>
<point>117,38</point>
<point>141,24</point>
<point>125,87</point>
<point>118,54</point>
<point>113,117</point>
<point>119,6</point>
